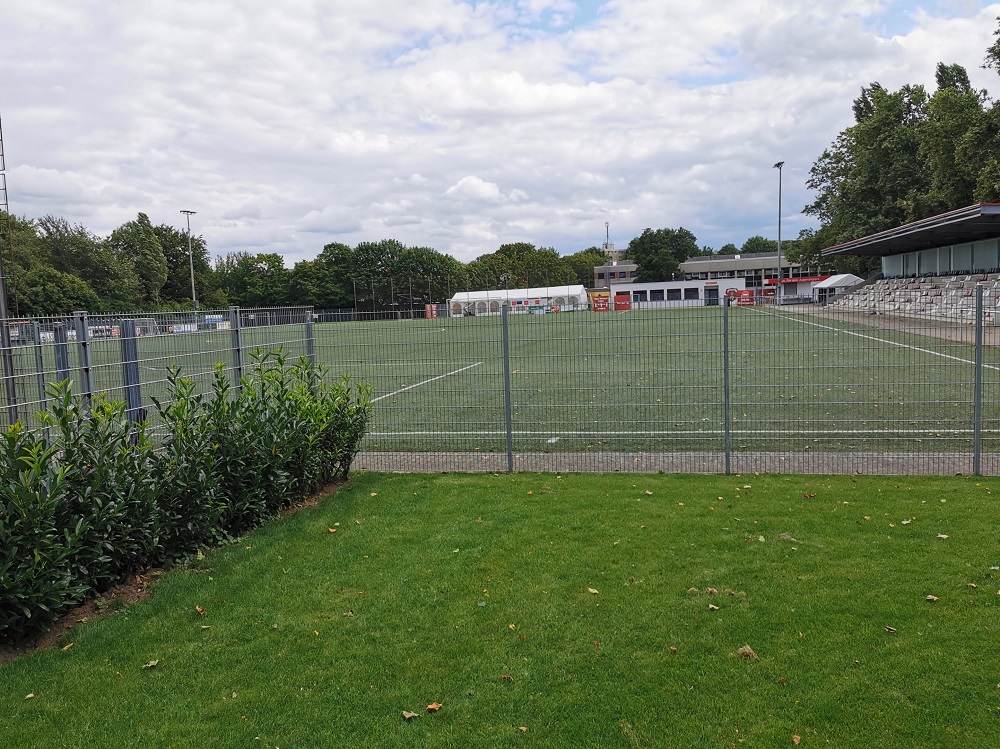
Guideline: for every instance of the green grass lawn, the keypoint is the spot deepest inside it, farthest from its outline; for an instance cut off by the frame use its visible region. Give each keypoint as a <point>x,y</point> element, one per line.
<point>476,592</point>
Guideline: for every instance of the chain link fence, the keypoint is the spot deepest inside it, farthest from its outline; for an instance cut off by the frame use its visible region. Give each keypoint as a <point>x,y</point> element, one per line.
<point>682,387</point>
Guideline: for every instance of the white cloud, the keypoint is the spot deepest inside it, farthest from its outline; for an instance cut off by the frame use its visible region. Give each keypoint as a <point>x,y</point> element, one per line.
<point>450,124</point>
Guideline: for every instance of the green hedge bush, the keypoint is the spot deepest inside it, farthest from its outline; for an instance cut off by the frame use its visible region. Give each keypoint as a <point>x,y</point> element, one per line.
<point>91,499</point>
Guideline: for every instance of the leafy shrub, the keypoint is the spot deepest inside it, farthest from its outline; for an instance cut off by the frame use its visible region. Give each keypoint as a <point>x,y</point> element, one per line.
<point>90,499</point>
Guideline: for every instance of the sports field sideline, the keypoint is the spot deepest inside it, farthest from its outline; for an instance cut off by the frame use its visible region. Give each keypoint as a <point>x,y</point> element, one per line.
<point>648,381</point>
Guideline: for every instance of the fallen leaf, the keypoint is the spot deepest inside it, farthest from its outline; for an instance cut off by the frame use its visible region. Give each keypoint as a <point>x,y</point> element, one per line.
<point>967,585</point>
<point>942,536</point>
<point>530,493</point>
<point>868,517</point>
<point>29,696</point>
<point>597,644</point>
<point>890,630</point>
<point>711,591</point>
<point>746,651</point>
<point>783,680</point>
<point>150,664</point>
<point>808,496</point>
<point>67,647</point>
<point>511,627</point>
<point>521,636</point>
<point>796,740</point>
<point>200,610</point>
<point>374,494</point>
<point>905,522</point>
<point>593,591</point>
<point>316,632</point>
<point>508,678</point>
<point>673,650</point>
<point>522,729</point>
<point>331,530</point>
<point>712,607</point>
<point>407,715</point>
<point>932,599</point>
<point>785,537</point>
<point>434,707</point>
<point>680,504</point>
<point>649,494</point>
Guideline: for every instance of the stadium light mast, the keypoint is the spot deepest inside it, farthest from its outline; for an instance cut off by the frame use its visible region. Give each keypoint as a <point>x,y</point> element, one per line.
<point>780,289</point>
<point>194,296</point>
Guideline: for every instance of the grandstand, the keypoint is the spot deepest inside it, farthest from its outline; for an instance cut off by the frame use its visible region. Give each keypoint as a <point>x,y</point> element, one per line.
<point>939,297</point>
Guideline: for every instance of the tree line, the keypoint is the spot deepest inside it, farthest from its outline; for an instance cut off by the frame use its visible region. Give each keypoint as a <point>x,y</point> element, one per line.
<point>910,154</point>
<point>54,267</point>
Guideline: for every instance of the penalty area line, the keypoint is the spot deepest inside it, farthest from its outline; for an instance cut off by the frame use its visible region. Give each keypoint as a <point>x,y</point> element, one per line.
<point>418,384</point>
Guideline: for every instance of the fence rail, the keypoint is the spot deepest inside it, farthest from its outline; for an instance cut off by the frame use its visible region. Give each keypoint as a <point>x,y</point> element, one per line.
<point>702,389</point>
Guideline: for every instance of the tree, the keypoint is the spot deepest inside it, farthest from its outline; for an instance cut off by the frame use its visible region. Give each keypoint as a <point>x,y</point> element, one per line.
<point>46,291</point>
<point>177,286</point>
<point>253,280</point>
<point>583,263</point>
<point>728,249</point>
<point>659,253</point>
<point>759,244</point>
<point>136,243</point>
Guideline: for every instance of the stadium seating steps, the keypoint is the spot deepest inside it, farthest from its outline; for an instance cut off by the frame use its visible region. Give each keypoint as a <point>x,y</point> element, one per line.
<point>951,297</point>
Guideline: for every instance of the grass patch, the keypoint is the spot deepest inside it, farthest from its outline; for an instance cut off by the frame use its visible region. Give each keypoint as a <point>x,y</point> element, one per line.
<point>474,591</point>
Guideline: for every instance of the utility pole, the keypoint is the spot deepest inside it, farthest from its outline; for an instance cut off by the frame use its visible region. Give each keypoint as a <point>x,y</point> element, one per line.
<point>780,290</point>
<point>194,296</point>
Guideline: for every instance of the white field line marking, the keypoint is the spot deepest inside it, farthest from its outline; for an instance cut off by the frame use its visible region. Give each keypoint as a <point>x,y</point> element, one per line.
<point>782,432</point>
<point>432,379</point>
<point>880,340</point>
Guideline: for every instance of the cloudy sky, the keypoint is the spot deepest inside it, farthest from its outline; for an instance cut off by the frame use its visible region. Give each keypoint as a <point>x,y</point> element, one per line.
<point>454,124</point>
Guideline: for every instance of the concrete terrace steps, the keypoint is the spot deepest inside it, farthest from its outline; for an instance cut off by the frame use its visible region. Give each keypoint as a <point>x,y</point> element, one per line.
<point>942,297</point>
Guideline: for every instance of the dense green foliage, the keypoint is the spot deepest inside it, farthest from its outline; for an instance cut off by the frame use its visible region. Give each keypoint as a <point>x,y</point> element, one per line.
<point>910,154</point>
<point>91,499</point>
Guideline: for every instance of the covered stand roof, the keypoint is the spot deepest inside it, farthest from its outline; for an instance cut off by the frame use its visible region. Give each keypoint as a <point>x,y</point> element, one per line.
<point>839,281</point>
<point>976,222</point>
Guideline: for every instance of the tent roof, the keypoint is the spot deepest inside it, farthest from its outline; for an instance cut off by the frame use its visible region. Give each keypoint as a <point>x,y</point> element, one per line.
<point>835,282</point>
<point>507,294</point>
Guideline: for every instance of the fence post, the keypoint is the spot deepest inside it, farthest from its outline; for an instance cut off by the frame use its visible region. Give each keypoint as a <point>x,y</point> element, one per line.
<point>82,324</point>
<point>9,386</point>
<point>130,371</point>
<point>61,341</point>
<point>236,335</point>
<point>36,337</point>
<point>506,387</point>
<point>310,338</point>
<point>977,395</point>
<point>726,400</point>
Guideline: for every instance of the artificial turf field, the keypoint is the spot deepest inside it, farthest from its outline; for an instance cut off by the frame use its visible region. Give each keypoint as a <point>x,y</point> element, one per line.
<point>637,381</point>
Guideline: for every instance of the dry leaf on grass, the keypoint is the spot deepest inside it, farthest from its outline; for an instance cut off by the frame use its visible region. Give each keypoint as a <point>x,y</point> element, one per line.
<point>522,729</point>
<point>29,696</point>
<point>507,678</point>
<point>932,599</point>
<point>593,591</point>
<point>434,707</point>
<point>673,650</point>
<point>150,664</point>
<point>785,537</point>
<point>746,651</point>
<point>890,630</point>
<point>712,591</point>
<point>200,610</point>
<point>971,585</point>
<point>712,607</point>
<point>407,715</point>
<point>796,739</point>
<point>942,536</point>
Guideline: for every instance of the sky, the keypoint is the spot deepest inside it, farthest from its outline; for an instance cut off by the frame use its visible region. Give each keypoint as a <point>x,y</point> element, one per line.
<point>451,124</point>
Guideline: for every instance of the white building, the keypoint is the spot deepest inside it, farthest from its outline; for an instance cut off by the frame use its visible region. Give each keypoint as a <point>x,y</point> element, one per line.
<point>663,294</point>
<point>538,300</point>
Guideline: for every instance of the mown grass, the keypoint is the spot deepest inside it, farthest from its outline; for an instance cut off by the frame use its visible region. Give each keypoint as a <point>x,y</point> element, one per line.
<point>474,591</point>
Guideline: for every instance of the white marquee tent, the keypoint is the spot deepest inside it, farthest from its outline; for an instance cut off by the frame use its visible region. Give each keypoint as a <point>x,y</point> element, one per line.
<point>542,299</point>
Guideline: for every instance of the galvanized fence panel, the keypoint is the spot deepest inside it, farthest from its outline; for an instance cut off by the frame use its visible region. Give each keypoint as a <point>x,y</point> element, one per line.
<point>129,357</point>
<point>674,386</point>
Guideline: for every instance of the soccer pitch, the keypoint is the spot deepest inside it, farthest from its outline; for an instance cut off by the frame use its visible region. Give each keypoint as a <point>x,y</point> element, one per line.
<point>669,380</point>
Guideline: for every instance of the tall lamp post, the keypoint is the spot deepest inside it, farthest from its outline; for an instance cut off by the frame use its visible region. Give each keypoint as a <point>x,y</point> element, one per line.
<point>194,296</point>
<point>780,290</point>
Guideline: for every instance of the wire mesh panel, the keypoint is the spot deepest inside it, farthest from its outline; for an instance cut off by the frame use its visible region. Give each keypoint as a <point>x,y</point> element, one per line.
<point>129,357</point>
<point>437,388</point>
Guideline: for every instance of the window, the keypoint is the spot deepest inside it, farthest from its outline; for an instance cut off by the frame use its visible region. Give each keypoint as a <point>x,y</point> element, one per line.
<point>601,275</point>
<point>656,295</point>
<point>622,274</point>
<point>631,274</point>
<point>638,296</point>
<point>673,295</point>
<point>690,293</point>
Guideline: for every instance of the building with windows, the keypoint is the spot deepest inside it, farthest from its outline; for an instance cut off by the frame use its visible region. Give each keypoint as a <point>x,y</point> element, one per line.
<point>759,271</point>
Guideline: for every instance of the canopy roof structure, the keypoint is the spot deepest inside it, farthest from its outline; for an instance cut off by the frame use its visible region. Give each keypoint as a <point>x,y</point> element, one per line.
<point>838,281</point>
<point>976,222</point>
<point>544,292</point>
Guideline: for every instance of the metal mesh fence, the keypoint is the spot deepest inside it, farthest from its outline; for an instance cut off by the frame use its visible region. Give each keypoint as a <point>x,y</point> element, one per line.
<point>677,387</point>
<point>129,358</point>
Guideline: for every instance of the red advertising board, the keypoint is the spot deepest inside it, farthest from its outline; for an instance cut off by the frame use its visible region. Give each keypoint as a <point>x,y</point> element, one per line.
<point>623,302</point>
<point>744,298</point>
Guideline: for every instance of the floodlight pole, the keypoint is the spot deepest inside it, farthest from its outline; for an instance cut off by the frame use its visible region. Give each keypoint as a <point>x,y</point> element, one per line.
<point>780,290</point>
<point>194,296</point>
